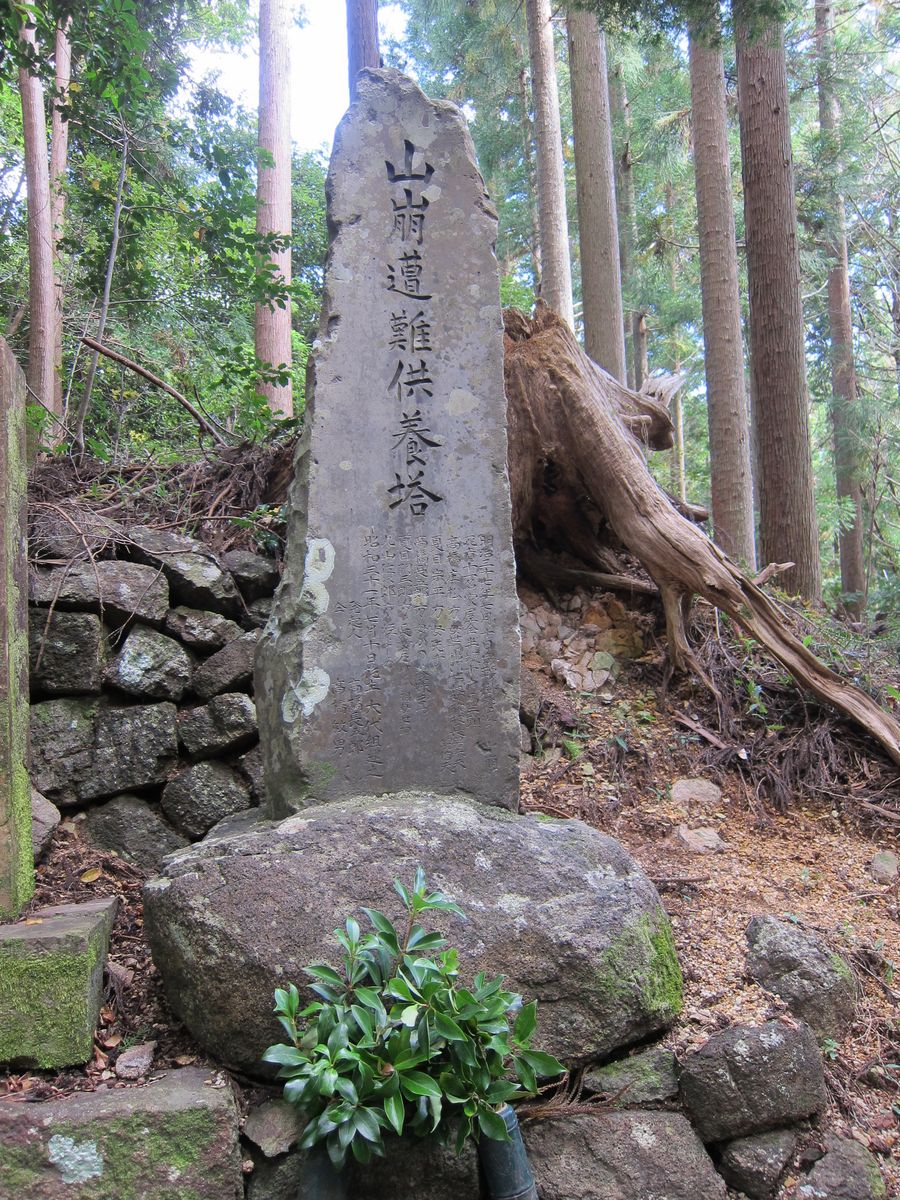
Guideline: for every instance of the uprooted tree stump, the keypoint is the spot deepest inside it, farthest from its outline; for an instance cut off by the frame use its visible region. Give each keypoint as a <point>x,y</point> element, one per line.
<point>581,487</point>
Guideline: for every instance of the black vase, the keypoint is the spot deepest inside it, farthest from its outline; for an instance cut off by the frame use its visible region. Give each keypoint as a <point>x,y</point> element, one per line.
<point>505,1164</point>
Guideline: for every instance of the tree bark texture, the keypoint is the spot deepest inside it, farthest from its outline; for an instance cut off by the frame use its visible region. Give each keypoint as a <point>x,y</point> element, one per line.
<point>362,39</point>
<point>273,191</point>
<point>788,530</point>
<point>556,268</point>
<point>531,175</point>
<point>59,157</point>
<point>844,396</point>
<point>598,227</point>
<point>41,280</point>
<point>620,111</point>
<point>580,483</point>
<point>727,410</point>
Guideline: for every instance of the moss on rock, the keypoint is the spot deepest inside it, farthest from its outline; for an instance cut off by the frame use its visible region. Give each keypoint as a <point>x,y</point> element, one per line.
<point>643,960</point>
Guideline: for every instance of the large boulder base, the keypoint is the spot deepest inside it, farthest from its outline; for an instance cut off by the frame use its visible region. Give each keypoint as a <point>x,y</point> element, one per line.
<point>51,972</point>
<point>626,1155</point>
<point>559,909</point>
<point>175,1138</point>
<point>751,1078</point>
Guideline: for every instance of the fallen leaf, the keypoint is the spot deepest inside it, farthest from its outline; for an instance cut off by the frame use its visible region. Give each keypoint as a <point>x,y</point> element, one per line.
<point>185,1060</point>
<point>92,875</point>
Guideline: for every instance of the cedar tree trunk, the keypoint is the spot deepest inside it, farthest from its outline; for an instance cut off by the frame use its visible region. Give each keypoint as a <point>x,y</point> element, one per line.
<point>59,157</point>
<point>726,394</point>
<point>362,39</point>
<point>556,269</point>
<point>788,530</point>
<point>840,324</point>
<point>598,229</point>
<point>41,281</point>
<point>273,193</point>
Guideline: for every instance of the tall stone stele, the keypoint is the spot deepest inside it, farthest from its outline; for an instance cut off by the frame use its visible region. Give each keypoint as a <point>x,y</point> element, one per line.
<point>16,864</point>
<point>391,661</point>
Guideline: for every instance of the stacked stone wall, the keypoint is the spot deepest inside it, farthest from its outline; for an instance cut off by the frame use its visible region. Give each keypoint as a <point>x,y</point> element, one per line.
<point>143,723</point>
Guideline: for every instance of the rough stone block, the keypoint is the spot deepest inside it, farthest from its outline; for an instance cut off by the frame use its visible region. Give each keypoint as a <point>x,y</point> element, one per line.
<point>118,591</point>
<point>391,660</point>
<point>83,750</point>
<point>255,575</point>
<point>131,827</point>
<point>203,795</point>
<point>45,818</point>
<point>201,630</point>
<point>753,1165</point>
<point>751,1078</point>
<point>562,911</point>
<point>226,725</point>
<point>230,670</point>
<point>62,744</point>
<point>196,576</point>
<point>175,1139</point>
<point>846,1172</point>
<point>629,1155</point>
<point>150,665</point>
<point>51,972</point>
<point>647,1077</point>
<point>67,651</point>
<point>815,983</point>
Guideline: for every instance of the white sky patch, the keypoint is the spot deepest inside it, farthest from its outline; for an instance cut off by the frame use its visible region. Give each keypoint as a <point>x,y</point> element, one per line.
<point>319,87</point>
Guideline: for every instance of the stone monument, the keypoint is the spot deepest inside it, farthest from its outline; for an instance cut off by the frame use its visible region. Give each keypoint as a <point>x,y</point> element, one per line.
<point>391,661</point>
<point>16,867</point>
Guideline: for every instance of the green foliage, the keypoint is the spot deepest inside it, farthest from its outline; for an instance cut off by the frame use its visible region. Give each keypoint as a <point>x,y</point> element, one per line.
<point>395,1042</point>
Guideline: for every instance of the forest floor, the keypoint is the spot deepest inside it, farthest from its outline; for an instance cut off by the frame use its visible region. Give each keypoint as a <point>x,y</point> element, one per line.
<point>610,758</point>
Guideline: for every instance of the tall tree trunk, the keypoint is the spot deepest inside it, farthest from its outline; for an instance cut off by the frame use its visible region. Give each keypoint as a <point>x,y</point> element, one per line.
<point>556,269</point>
<point>41,288</point>
<point>726,394</point>
<point>840,322</point>
<point>85,403</point>
<point>598,228</point>
<point>893,226</point>
<point>59,156</point>
<point>362,39</point>
<point>620,110</point>
<point>788,531</point>
<point>531,174</point>
<point>273,192</point>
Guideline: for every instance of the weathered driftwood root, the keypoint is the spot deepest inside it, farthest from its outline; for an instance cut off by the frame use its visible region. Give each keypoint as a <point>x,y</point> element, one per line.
<point>574,447</point>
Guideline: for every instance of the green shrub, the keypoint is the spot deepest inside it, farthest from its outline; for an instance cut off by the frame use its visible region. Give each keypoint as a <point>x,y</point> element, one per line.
<point>396,1043</point>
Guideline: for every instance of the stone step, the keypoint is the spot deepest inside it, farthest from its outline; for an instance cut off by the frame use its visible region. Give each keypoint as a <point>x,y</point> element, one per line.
<point>51,974</point>
<point>175,1137</point>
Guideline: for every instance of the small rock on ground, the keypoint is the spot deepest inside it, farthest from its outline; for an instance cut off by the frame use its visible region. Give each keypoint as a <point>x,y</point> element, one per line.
<point>847,1172</point>
<point>753,1165</point>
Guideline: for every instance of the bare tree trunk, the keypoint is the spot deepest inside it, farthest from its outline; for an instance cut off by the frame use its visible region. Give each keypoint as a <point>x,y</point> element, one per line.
<point>556,268</point>
<point>59,156</point>
<point>41,289</point>
<point>273,193</point>
<point>620,111</point>
<point>840,322</point>
<point>598,229</point>
<point>788,530</point>
<point>528,155</point>
<point>726,394</point>
<point>85,403</point>
<point>641,355</point>
<point>362,39</point>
